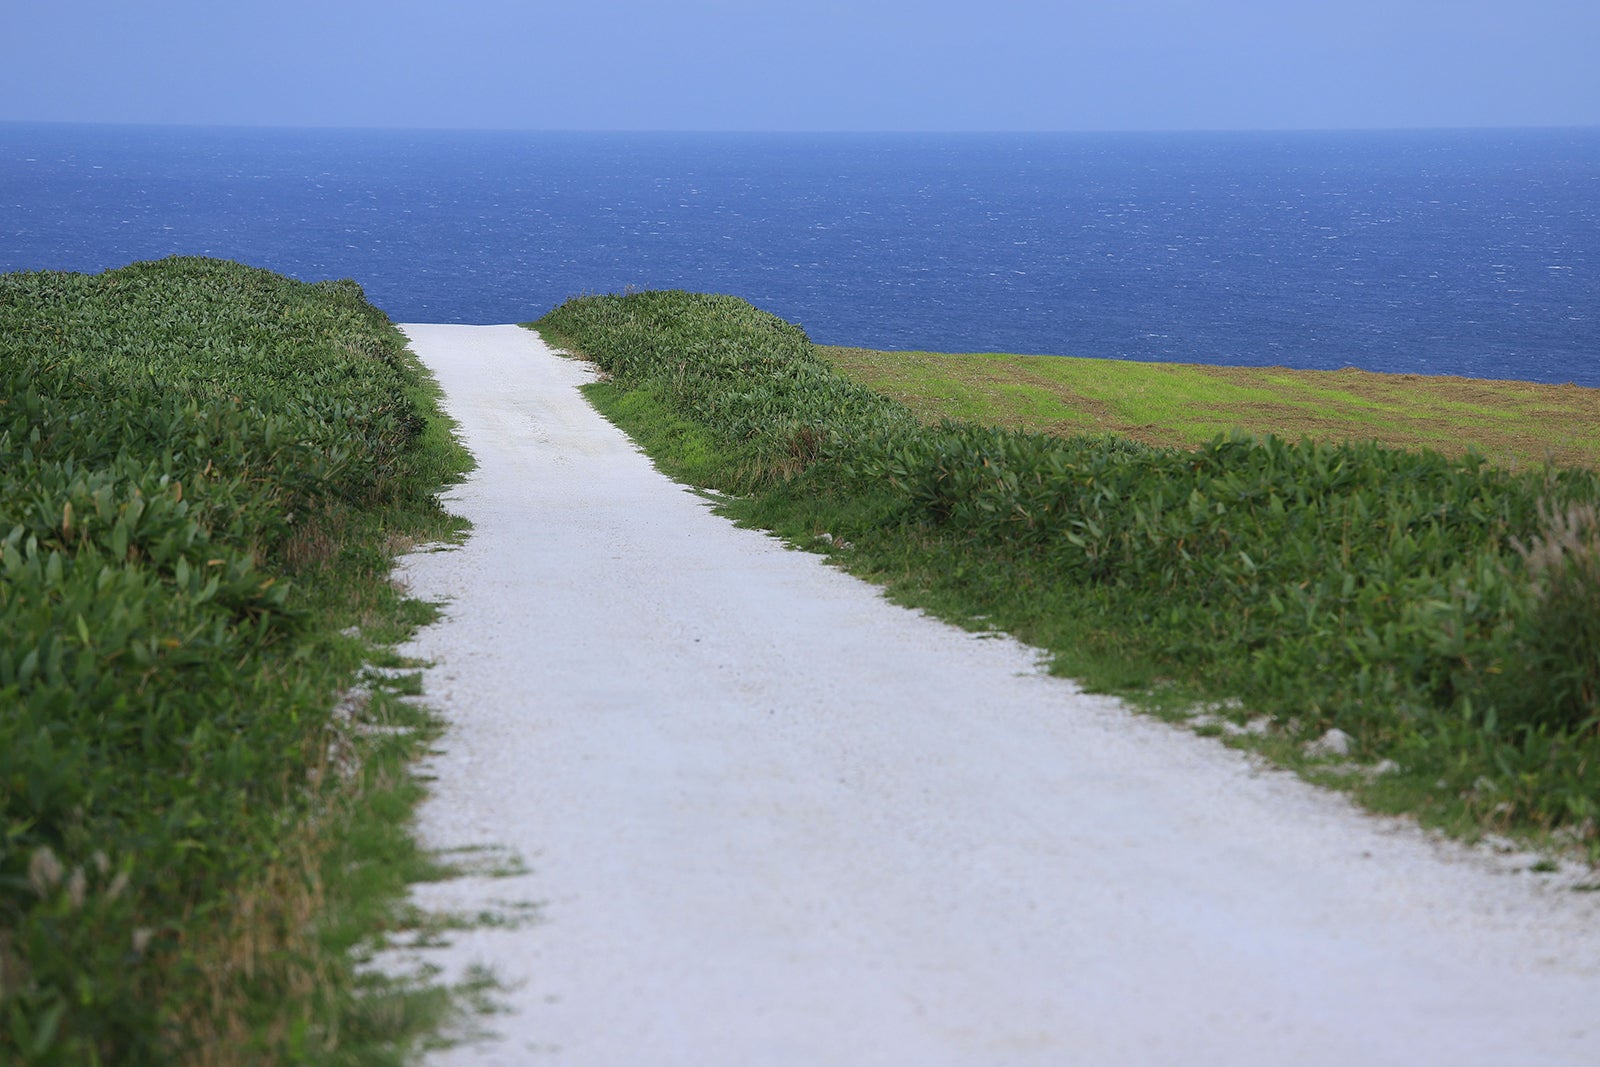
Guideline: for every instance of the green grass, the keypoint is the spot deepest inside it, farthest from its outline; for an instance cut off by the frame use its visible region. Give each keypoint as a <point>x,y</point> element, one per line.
<point>1517,424</point>
<point>205,471</point>
<point>1442,610</point>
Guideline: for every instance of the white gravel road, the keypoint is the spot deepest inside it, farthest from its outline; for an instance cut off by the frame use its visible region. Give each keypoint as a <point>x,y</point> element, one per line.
<point>771,819</point>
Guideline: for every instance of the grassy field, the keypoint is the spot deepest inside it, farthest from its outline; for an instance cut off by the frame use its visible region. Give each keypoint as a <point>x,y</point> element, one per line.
<point>1514,424</point>
<point>1440,610</point>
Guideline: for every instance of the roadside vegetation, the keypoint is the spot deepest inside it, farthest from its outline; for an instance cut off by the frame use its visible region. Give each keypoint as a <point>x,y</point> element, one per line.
<point>1441,613</point>
<point>205,470</point>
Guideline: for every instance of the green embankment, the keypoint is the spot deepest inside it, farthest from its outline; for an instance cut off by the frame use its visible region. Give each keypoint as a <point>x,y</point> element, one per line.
<point>1443,612</point>
<point>204,472</point>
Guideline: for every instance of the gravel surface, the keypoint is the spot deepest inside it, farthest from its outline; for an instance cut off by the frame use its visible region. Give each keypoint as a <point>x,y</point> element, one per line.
<point>769,818</point>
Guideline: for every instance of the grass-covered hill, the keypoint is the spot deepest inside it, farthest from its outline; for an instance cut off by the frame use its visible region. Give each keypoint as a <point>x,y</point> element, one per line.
<point>1441,611</point>
<point>203,471</point>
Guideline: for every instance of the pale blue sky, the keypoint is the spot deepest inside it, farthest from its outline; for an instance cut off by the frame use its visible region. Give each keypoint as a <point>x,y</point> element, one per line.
<point>806,64</point>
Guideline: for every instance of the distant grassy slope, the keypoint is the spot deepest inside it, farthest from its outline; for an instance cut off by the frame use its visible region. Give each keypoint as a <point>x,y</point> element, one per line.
<point>1514,424</point>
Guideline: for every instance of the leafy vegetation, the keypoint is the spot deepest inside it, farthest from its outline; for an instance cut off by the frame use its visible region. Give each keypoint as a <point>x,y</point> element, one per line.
<point>1443,612</point>
<point>752,380</point>
<point>204,471</point>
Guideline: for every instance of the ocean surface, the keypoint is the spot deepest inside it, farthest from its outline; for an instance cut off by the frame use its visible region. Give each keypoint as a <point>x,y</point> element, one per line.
<point>1448,252</point>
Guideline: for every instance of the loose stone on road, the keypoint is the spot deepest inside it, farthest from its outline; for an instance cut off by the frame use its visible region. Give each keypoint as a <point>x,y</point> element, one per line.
<point>769,818</point>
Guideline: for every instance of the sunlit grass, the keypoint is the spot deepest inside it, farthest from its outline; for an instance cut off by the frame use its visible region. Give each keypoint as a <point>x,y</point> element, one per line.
<point>1517,424</point>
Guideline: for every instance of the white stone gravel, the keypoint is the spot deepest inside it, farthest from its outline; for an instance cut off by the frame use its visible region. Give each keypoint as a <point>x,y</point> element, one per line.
<point>771,819</point>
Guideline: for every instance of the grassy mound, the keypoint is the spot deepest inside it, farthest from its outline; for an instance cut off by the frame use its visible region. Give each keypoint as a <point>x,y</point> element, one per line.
<point>1443,613</point>
<point>202,470</point>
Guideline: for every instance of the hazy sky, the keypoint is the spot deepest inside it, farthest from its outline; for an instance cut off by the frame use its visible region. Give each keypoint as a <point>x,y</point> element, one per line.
<point>805,64</point>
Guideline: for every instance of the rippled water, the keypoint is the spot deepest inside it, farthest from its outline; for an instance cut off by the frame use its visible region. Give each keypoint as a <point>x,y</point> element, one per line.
<point>1472,253</point>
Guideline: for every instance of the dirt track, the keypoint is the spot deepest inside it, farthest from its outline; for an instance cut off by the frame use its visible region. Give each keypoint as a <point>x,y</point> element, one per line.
<point>771,819</point>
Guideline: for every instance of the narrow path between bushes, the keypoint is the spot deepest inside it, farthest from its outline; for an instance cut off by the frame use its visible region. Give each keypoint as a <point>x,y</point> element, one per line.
<point>769,818</point>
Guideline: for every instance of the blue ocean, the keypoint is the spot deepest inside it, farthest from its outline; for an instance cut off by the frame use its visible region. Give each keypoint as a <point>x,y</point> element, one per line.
<point>1449,252</point>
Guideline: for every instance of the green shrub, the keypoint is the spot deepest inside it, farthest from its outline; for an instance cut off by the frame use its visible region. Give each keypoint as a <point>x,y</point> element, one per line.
<point>1557,644</point>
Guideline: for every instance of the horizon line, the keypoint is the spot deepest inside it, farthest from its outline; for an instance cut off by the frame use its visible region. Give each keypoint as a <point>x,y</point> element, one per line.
<point>819,132</point>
